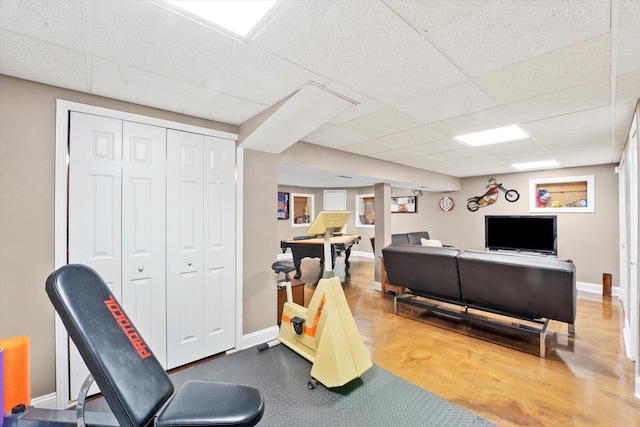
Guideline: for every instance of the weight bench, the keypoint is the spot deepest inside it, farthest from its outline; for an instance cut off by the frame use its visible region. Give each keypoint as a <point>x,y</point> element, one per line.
<point>132,381</point>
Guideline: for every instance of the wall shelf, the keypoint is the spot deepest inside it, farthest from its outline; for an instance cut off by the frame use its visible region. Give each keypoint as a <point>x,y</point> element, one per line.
<point>565,194</point>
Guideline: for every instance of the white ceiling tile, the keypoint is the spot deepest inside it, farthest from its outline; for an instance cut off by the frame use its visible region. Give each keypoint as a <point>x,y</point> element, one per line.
<point>441,146</point>
<point>133,85</point>
<point>507,32</point>
<point>575,65</point>
<point>576,140</point>
<point>43,62</point>
<point>382,122</point>
<point>457,155</point>
<point>434,14</point>
<point>57,22</point>
<point>474,122</point>
<point>333,38</point>
<point>520,145</point>
<point>581,119</point>
<point>335,137</point>
<point>629,13</point>
<point>396,154</point>
<point>587,157</point>
<point>477,161</point>
<point>412,137</point>
<point>521,156</point>
<point>589,96</point>
<point>165,43</point>
<point>453,101</point>
<point>412,69</point>
<point>629,48</point>
<point>368,147</point>
<point>217,106</point>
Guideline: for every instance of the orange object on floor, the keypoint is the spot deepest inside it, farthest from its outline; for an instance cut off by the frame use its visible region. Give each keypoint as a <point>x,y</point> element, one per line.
<point>17,379</point>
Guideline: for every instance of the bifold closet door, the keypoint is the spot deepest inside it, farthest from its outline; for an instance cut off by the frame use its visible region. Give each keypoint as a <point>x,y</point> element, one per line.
<point>117,203</point>
<point>95,157</point>
<point>185,255</point>
<point>219,245</point>
<point>144,152</point>
<point>200,246</point>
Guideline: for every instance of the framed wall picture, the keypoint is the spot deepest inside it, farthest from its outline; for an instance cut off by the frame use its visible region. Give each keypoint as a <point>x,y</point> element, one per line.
<point>404,204</point>
<point>283,205</point>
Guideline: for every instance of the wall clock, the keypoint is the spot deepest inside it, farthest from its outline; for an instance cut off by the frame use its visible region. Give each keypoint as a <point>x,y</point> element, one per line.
<point>446,203</point>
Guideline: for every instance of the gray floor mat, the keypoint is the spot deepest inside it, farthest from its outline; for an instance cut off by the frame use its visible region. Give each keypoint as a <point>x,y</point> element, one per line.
<point>378,398</point>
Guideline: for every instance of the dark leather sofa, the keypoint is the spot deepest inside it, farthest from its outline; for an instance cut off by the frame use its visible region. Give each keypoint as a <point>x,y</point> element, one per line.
<point>527,287</point>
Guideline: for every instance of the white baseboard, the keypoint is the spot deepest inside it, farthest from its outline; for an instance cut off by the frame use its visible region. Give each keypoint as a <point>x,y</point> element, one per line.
<point>48,401</point>
<point>363,254</point>
<point>637,392</point>
<point>259,337</point>
<point>596,288</point>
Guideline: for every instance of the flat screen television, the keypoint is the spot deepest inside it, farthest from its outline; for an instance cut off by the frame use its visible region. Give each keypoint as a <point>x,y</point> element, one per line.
<point>526,233</point>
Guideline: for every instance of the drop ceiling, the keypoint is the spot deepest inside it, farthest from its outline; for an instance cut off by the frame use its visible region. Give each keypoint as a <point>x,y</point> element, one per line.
<point>419,71</point>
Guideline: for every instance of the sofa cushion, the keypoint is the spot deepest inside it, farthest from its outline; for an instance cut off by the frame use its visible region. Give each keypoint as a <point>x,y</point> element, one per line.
<point>400,239</point>
<point>431,242</point>
<point>524,285</point>
<point>412,238</point>
<point>426,271</point>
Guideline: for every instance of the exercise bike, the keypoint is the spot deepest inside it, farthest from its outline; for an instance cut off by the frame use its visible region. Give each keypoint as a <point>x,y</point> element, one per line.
<point>325,332</point>
<point>491,196</point>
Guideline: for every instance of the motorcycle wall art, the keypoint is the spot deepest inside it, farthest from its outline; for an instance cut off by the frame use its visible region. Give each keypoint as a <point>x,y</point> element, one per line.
<point>491,195</point>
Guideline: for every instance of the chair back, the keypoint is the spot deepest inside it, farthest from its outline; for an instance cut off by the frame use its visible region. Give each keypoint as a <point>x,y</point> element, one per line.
<point>131,379</point>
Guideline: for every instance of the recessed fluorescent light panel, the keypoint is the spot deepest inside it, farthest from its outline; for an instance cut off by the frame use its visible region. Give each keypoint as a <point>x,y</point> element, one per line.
<point>536,165</point>
<point>493,136</point>
<point>239,17</point>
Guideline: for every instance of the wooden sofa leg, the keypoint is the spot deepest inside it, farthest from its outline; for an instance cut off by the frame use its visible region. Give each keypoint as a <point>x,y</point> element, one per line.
<point>384,285</point>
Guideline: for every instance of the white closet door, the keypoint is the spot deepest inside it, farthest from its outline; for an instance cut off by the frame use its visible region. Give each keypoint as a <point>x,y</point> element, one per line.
<point>185,327</point>
<point>219,245</point>
<point>95,153</point>
<point>143,232</point>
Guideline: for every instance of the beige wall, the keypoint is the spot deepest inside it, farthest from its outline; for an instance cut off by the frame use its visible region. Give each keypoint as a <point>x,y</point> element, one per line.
<point>27,144</point>
<point>259,197</point>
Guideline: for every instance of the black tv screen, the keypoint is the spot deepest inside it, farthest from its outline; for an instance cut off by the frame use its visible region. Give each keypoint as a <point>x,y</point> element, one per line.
<point>521,233</point>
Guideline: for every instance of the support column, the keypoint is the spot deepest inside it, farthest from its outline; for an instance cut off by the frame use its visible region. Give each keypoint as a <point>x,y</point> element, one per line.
<point>383,226</point>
